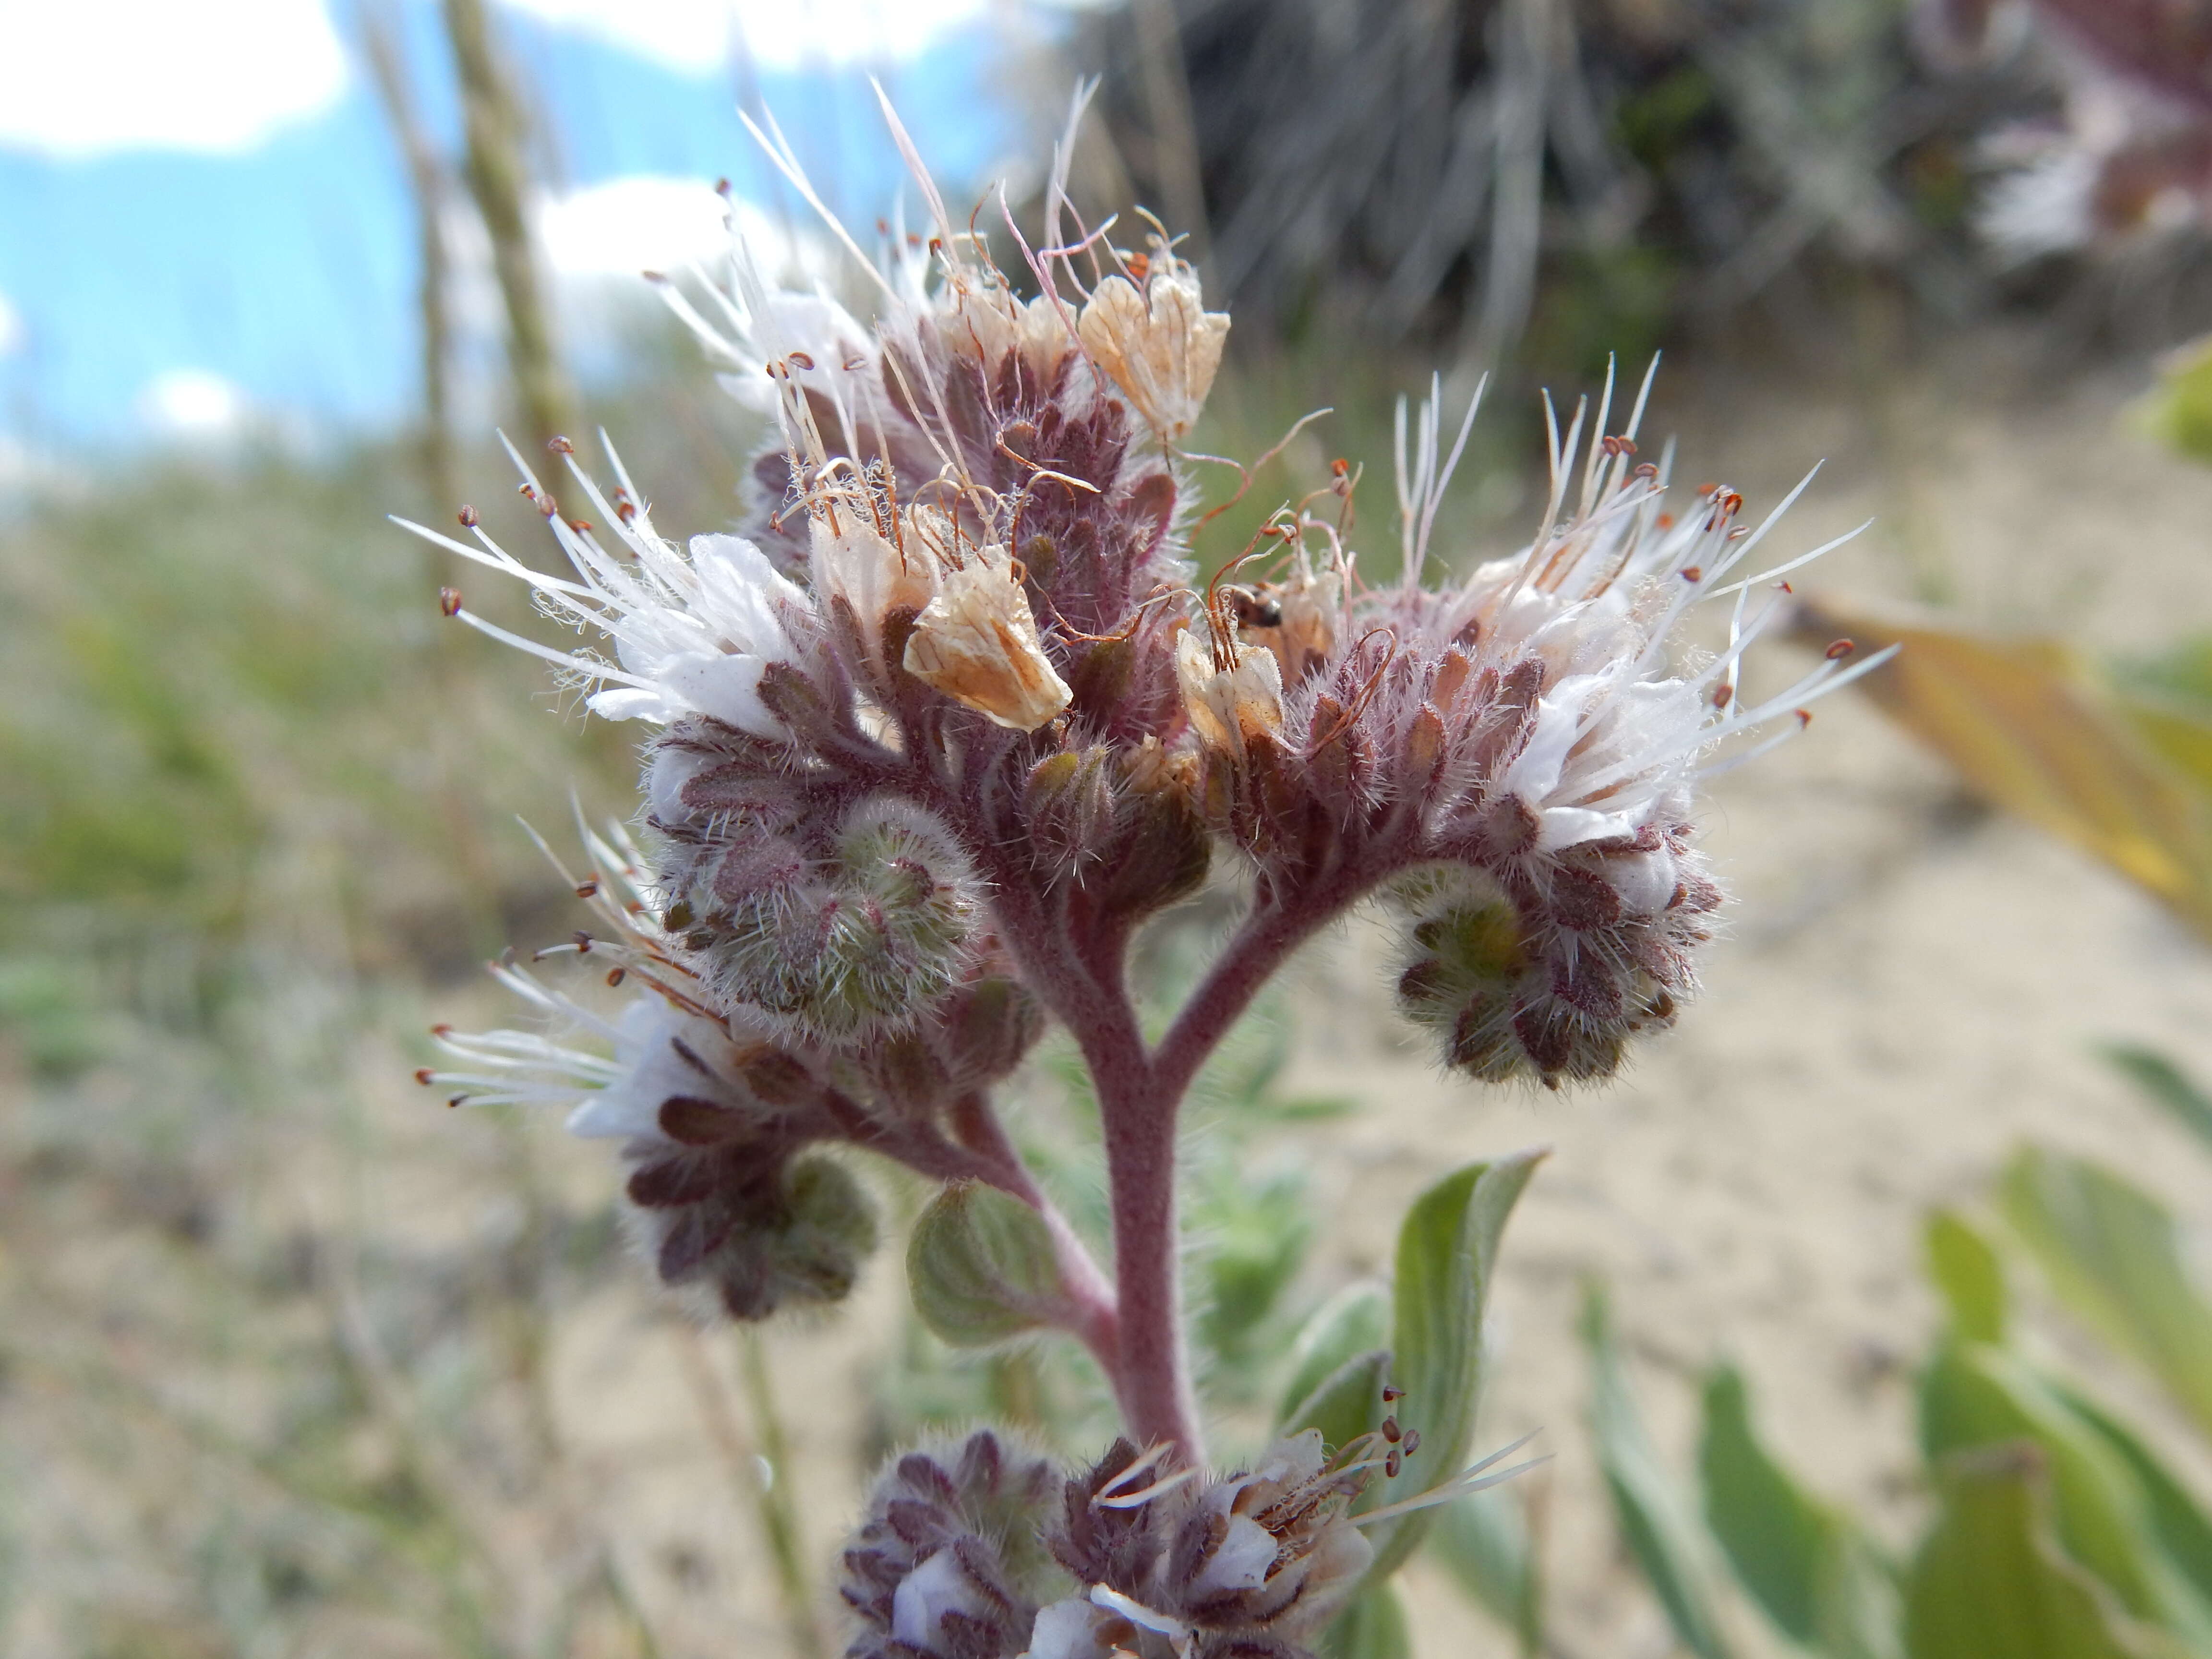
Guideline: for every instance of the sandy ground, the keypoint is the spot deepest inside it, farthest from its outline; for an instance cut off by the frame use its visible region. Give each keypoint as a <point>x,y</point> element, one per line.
<point>1909,988</point>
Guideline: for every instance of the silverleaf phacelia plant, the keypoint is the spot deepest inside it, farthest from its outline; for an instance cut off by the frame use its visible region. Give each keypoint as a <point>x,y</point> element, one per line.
<point>957,715</point>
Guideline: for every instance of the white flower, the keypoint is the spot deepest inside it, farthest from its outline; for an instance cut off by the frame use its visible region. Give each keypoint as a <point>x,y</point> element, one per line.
<point>1232,692</point>
<point>692,635</point>
<point>1596,599</point>
<point>873,555</point>
<point>978,642</point>
<point>1159,344</point>
<point>937,1587</point>
<point>652,1050</point>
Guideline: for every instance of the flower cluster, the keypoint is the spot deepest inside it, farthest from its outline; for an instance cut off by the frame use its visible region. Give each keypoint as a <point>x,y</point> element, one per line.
<point>963,1554</point>
<point>951,719</point>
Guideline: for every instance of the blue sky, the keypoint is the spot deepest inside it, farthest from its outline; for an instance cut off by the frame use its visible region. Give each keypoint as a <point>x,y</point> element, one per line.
<point>173,250</point>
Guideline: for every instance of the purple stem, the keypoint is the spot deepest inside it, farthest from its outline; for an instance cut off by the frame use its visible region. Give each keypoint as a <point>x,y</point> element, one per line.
<point>1093,1312</point>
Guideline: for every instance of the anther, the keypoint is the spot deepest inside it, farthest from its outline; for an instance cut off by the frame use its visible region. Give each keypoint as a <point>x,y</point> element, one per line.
<point>422,1075</point>
<point>1412,1442</point>
<point>456,1100</point>
<point>469,517</point>
<point>546,504</point>
<point>449,601</point>
<point>589,888</point>
<point>1391,1431</point>
<point>583,942</point>
<point>721,187</point>
<point>1391,1395</point>
<point>441,1030</point>
<point>1840,649</point>
<point>560,446</point>
<point>800,360</point>
<point>1694,573</point>
<point>1804,719</point>
<point>580,526</point>
<point>1723,695</point>
<point>1393,1462</point>
<point>616,975</point>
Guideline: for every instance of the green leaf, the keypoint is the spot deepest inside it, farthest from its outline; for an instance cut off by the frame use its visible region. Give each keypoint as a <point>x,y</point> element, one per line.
<point>1974,1397</point>
<point>1346,1404</point>
<point>1483,1540</point>
<point>1966,1270</point>
<point>1355,1320</point>
<point>2180,410</point>
<point>981,1266</point>
<point>2176,1518</point>
<point>2111,1253</point>
<point>1804,1562</point>
<point>1372,1627</point>
<point>1776,1537</point>
<point>1673,1550</point>
<point>1253,1241</point>
<point>2166,1084</point>
<point>1989,1582</point>
<point>1447,1249</point>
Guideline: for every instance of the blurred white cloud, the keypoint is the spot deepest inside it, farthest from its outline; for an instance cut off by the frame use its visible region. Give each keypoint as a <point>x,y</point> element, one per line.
<point>86,77</point>
<point>11,328</point>
<point>638,223</point>
<point>695,36</point>
<point>193,404</point>
<point>646,222</point>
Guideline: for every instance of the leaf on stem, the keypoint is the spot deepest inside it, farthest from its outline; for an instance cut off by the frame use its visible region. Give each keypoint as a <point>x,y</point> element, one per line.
<point>2110,1252</point>
<point>1989,1582</point>
<point>1447,1251</point>
<point>1975,1398</point>
<point>1806,1565</point>
<point>1372,1627</point>
<point>1673,1550</point>
<point>1488,1543</point>
<point>1966,1271</point>
<point>2167,1085</point>
<point>1353,1321</point>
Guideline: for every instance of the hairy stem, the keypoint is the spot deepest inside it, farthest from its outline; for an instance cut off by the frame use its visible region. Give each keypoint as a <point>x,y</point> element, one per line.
<point>1090,1292</point>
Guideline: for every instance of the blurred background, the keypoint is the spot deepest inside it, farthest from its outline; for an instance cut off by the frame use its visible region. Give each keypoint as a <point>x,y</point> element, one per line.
<point>295,1361</point>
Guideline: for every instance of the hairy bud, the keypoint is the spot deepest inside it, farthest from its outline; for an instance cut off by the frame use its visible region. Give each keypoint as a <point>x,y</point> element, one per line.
<point>1550,984</point>
<point>981,1266</point>
<point>861,943</point>
<point>758,1231</point>
<point>947,1564</point>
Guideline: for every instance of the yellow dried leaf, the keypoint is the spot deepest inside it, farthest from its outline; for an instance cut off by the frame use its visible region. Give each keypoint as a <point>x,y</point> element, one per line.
<point>2032,727</point>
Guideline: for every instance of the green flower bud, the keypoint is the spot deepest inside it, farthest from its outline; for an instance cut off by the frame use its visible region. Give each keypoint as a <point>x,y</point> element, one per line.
<point>856,946</point>
<point>981,1266</point>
